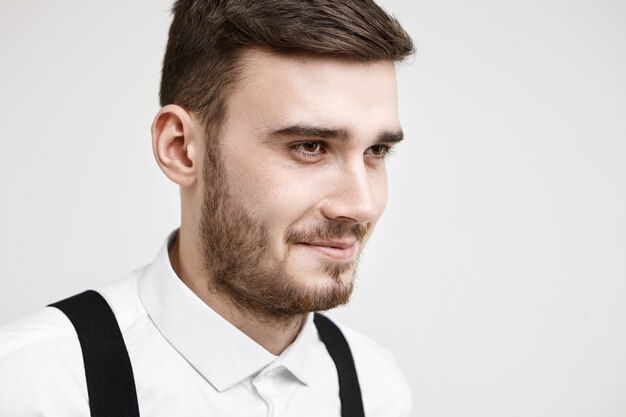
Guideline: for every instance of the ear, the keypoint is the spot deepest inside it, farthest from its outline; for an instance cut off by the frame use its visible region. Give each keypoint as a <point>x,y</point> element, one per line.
<point>176,137</point>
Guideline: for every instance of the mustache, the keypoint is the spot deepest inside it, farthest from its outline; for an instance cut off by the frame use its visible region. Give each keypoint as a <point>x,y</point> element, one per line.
<point>328,230</point>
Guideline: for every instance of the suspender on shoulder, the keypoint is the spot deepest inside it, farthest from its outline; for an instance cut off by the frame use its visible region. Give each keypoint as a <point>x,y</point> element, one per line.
<point>109,374</point>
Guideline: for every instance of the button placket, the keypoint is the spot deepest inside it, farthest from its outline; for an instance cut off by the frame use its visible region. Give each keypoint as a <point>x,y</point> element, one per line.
<point>266,389</point>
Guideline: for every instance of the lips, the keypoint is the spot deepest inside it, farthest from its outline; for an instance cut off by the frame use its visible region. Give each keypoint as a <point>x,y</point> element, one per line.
<point>336,250</point>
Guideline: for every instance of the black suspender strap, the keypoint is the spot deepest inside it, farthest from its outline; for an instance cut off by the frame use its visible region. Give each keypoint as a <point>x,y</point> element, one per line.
<point>110,381</point>
<point>109,374</point>
<point>339,350</point>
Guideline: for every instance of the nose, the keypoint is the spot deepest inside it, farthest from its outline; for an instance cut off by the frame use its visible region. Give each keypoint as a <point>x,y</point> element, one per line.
<point>357,194</point>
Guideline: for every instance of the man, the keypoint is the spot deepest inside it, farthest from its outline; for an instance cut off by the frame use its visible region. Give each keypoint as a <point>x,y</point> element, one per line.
<point>276,120</point>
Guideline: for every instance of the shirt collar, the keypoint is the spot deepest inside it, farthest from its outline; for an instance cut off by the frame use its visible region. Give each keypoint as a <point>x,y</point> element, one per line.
<point>219,351</point>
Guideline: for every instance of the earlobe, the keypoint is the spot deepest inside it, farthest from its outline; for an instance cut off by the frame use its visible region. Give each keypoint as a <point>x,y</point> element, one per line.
<point>174,144</point>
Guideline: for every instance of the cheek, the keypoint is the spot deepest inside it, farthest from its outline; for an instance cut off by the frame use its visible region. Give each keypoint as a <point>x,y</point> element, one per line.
<point>275,197</point>
<point>263,189</point>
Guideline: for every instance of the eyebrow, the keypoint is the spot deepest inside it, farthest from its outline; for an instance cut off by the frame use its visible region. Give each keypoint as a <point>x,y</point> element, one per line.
<point>315,132</point>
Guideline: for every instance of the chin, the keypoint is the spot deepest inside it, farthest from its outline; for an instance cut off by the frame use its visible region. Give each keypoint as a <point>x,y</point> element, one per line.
<point>327,293</point>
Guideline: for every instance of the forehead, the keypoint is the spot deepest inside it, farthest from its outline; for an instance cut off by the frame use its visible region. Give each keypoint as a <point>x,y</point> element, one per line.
<point>327,91</point>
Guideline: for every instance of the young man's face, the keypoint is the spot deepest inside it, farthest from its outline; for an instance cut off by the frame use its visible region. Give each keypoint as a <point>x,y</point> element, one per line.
<point>300,180</point>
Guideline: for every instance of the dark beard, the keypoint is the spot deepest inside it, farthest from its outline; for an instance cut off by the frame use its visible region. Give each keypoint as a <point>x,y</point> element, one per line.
<point>236,255</point>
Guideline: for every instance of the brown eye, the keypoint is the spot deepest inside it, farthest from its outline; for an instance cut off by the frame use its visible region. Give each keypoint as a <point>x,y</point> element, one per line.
<point>379,150</point>
<point>310,147</point>
<point>311,150</point>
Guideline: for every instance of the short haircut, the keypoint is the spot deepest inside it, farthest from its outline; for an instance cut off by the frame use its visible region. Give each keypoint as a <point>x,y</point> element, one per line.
<point>207,37</point>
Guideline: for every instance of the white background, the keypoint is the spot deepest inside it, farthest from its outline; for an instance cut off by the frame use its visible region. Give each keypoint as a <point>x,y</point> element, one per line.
<point>498,274</point>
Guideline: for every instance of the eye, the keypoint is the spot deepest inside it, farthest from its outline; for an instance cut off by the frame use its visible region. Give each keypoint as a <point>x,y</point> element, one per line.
<point>309,149</point>
<point>379,151</point>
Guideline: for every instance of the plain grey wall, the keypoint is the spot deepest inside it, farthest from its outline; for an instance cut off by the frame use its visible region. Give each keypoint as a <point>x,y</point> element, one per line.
<point>497,276</point>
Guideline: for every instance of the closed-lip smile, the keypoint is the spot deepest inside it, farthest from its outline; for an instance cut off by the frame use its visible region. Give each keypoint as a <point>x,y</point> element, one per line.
<point>339,250</point>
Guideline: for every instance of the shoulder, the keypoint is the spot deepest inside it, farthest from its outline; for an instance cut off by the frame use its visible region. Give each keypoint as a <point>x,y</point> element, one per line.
<point>50,326</point>
<point>384,387</point>
<point>40,362</point>
<point>41,359</point>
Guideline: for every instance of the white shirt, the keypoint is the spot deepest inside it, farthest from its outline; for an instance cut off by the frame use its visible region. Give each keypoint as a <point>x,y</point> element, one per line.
<point>188,361</point>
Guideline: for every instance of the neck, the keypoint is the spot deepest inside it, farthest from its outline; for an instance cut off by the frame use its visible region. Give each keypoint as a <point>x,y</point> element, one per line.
<point>274,334</point>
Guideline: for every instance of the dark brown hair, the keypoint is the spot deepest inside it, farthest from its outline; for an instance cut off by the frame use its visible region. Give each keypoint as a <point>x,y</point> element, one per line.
<point>207,36</point>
